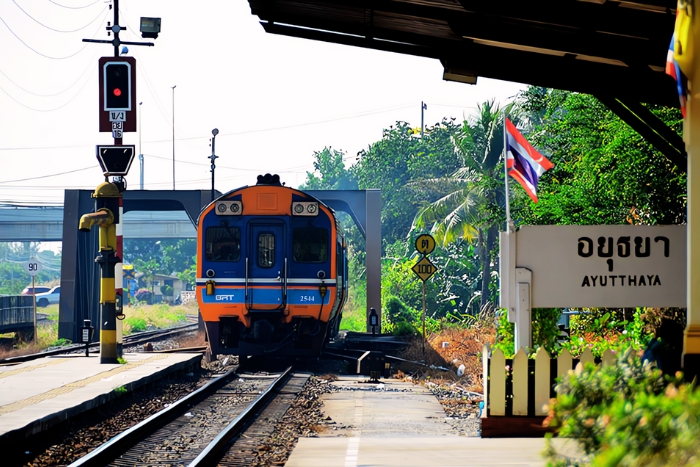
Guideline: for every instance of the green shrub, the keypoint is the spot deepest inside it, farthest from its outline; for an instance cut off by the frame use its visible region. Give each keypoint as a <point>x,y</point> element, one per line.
<point>166,290</point>
<point>61,342</point>
<point>135,324</point>
<point>628,414</point>
<point>505,334</point>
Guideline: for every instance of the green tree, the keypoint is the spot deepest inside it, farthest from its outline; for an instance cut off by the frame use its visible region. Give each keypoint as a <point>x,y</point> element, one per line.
<point>149,269</point>
<point>604,171</point>
<point>399,157</point>
<point>470,207</point>
<point>329,172</point>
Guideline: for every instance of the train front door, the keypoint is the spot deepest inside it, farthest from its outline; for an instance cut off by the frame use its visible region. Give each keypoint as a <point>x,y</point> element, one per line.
<point>267,266</point>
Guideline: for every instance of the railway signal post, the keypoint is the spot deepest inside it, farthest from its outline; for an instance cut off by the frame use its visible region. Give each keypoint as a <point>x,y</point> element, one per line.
<point>117,99</point>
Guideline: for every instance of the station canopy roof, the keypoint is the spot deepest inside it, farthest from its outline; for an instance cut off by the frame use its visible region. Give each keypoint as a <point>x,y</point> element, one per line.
<point>600,47</point>
<point>613,49</point>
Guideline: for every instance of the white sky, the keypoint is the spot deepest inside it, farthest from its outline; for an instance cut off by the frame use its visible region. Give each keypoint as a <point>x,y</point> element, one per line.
<point>274,99</point>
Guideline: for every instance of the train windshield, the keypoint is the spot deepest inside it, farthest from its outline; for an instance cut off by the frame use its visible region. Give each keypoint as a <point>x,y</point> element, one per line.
<point>223,244</point>
<point>310,244</point>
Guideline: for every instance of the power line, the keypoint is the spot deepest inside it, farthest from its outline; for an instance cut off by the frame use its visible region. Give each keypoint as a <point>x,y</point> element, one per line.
<point>36,51</point>
<point>74,7</point>
<point>50,28</point>
<point>48,176</point>
<point>259,130</point>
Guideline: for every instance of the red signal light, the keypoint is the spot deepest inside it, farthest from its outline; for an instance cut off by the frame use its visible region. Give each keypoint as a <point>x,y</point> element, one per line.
<point>117,92</point>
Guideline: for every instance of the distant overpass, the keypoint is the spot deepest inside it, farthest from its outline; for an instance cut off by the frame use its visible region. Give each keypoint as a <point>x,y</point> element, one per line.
<point>37,224</point>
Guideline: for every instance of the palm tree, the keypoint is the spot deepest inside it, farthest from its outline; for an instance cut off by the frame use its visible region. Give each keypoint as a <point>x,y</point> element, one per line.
<point>471,205</point>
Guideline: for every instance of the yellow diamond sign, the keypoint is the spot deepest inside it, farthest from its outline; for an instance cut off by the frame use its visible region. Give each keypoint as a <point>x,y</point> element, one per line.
<point>424,269</point>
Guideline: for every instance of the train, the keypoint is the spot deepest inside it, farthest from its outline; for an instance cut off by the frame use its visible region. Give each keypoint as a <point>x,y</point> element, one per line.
<point>272,271</point>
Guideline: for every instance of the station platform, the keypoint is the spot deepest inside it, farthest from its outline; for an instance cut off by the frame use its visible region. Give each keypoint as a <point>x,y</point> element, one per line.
<point>401,424</point>
<point>38,394</point>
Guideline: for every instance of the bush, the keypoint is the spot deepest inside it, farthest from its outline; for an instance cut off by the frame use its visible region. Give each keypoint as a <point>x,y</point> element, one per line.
<point>628,414</point>
<point>544,331</point>
<point>166,290</point>
<point>132,324</point>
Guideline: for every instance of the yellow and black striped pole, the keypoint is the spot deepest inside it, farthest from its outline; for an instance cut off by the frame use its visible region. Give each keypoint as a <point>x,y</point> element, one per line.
<point>106,195</point>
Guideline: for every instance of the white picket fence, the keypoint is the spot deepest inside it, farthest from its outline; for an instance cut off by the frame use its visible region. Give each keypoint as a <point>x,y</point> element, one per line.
<point>498,393</point>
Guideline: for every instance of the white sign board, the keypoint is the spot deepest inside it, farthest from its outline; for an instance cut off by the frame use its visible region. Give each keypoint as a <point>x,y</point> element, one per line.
<point>604,265</point>
<point>32,266</point>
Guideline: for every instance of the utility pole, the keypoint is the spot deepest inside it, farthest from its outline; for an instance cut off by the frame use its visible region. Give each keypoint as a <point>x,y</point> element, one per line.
<point>423,106</point>
<point>174,137</point>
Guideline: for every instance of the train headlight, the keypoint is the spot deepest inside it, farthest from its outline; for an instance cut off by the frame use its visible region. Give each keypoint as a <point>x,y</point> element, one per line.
<point>229,208</point>
<point>305,208</point>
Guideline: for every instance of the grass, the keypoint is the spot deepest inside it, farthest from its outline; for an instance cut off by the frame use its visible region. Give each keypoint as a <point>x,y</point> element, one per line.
<point>354,320</point>
<point>138,318</point>
<point>142,317</point>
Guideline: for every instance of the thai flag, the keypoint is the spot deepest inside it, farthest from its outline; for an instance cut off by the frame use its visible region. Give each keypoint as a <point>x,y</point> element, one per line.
<point>673,69</point>
<point>525,164</point>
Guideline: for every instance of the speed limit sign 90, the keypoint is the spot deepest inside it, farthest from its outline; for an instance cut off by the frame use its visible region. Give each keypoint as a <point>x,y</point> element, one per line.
<point>32,266</point>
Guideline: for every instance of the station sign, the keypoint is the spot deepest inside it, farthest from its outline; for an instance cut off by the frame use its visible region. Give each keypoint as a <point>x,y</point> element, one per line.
<point>604,265</point>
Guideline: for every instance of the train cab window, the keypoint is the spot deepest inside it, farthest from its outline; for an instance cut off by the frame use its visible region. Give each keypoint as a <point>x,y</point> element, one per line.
<point>310,244</point>
<point>266,250</point>
<point>223,244</point>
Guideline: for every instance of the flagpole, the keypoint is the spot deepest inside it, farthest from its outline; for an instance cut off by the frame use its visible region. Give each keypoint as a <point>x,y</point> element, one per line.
<point>510,227</point>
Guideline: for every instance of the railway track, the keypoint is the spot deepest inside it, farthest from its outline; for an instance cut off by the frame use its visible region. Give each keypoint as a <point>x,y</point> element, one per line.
<point>199,429</point>
<point>129,341</point>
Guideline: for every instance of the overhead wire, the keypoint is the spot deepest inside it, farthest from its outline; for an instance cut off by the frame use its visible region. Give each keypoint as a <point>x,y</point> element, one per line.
<point>36,51</point>
<point>52,29</point>
<point>47,176</point>
<point>144,73</point>
<point>51,95</point>
<point>74,7</point>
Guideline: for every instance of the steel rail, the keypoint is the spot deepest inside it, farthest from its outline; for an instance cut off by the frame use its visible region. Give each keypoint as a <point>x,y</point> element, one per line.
<point>133,339</point>
<point>117,445</point>
<point>211,454</point>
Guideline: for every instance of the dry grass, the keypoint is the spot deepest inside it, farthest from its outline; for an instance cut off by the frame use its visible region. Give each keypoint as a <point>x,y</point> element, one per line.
<point>463,347</point>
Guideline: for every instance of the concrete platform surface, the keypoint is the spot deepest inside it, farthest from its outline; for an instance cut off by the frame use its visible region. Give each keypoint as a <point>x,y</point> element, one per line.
<point>38,394</point>
<point>402,424</point>
<point>424,451</point>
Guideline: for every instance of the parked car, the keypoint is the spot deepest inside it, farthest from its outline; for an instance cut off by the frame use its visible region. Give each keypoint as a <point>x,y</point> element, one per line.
<point>49,298</point>
<point>37,289</point>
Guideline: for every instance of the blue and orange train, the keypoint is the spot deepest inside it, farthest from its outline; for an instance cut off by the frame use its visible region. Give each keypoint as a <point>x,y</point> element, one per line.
<point>271,271</point>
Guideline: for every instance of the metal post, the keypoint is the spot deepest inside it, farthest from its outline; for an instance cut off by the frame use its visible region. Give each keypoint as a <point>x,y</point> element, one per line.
<point>116,23</point>
<point>424,319</point>
<point>34,294</point>
<point>423,106</point>
<point>140,151</point>
<point>174,136</point>
<point>213,157</point>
